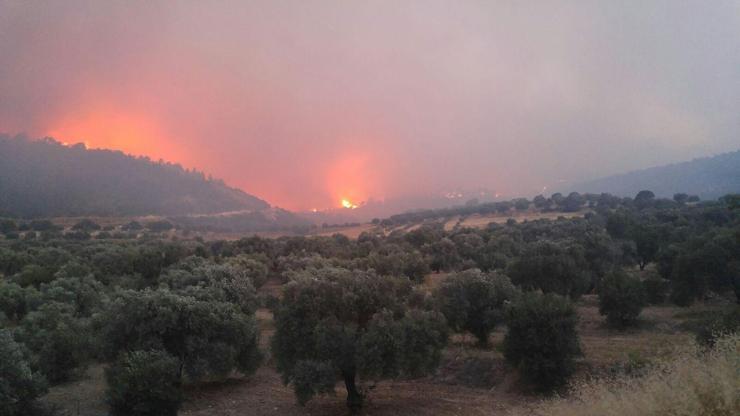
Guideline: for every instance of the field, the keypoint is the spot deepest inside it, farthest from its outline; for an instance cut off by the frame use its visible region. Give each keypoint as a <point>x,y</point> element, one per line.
<point>470,381</point>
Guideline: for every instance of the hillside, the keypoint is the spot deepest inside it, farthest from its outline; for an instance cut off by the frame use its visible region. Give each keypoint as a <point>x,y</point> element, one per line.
<point>45,178</point>
<point>709,178</point>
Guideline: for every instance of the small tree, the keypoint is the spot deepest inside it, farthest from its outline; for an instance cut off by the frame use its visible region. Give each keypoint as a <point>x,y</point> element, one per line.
<point>144,383</point>
<point>621,299</point>
<point>542,341</point>
<point>335,324</point>
<point>19,385</point>
<point>474,301</point>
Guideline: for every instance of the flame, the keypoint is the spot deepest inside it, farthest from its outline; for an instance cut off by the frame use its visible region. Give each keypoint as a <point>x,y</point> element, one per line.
<point>346,203</point>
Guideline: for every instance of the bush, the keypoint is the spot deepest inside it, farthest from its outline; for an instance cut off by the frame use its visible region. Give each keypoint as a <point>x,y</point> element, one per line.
<point>717,325</point>
<point>542,342</point>
<point>19,385</point>
<point>144,383</point>
<point>621,299</point>
<point>474,301</point>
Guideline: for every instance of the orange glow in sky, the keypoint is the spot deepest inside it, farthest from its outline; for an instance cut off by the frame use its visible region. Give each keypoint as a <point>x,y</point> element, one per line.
<point>114,130</point>
<point>353,179</point>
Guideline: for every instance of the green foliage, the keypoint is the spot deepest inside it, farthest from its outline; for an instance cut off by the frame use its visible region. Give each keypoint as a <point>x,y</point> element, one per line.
<point>656,289</point>
<point>84,294</point>
<point>621,299</point>
<point>17,301</point>
<point>60,343</point>
<point>474,301</point>
<point>714,326</point>
<point>334,323</point>
<point>551,268</point>
<point>213,282</point>
<point>209,338</point>
<point>253,267</point>
<point>541,340</point>
<point>144,383</point>
<point>20,386</point>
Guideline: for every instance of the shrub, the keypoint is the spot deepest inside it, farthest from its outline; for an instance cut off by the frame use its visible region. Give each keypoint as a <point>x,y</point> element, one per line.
<point>144,383</point>
<point>474,301</point>
<point>717,325</point>
<point>621,299</point>
<point>19,385</point>
<point>541,340</point>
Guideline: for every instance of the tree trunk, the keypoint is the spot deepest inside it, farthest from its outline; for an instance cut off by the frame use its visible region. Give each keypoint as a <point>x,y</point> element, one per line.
<point>354,398</point>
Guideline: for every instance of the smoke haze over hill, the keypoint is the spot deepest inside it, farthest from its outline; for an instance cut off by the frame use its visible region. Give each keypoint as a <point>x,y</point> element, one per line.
<point>308,103</point>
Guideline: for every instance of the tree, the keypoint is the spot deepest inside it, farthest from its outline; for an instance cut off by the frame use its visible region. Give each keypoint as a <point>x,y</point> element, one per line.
<point>60,344</point>
<point>647,243</point>
<point>208,338</point>
<point>621,299</point>
<point>540,202</point>
<point>443,254</point>
<point>573,202</point>
<point>521,204</point>
<point>144,383</point>
<point>20,386</point>
<point>550,267</point>
<point>336,324</point>
<point>474,301</point>
<point>542,341</point>
<point>681,198</point>
<point>644,199</point>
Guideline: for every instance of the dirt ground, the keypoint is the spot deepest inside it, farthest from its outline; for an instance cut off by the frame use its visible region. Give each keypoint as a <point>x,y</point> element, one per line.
<point>470,381</point>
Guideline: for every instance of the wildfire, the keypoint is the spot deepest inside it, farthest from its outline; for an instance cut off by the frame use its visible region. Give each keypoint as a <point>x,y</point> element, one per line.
<point>346,203</point>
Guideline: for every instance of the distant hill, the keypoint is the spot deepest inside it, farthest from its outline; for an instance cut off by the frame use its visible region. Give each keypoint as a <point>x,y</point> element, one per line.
<point>45,178</point>
<point>709,178</point>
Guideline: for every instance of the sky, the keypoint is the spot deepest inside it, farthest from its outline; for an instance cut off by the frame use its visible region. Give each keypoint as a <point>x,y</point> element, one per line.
<point>306,103</point>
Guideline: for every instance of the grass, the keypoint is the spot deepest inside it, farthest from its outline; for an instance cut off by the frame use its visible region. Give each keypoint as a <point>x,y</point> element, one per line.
<point>693,383</point>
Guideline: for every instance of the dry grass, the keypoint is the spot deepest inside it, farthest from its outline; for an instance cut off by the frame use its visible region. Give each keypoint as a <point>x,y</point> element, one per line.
<point>692,383</point>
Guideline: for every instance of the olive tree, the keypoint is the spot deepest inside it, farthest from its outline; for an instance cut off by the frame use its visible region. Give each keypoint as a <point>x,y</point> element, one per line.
<point>20,386</point>
<point>208,338</point>
<point>542,341</point>
<point>336,324</point>
<point>144,383</point>
<point>621,298</point>
<point>474,301</point>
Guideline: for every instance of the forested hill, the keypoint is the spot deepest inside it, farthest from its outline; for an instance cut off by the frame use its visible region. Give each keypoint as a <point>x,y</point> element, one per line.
<point>40,178</point>
<point>709,178</point>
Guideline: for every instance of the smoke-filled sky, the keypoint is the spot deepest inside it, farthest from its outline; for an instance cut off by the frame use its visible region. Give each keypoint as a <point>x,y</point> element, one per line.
<point>304,103</point>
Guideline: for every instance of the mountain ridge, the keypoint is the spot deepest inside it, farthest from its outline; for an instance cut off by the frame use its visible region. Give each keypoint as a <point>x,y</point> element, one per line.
<point>46,178</point>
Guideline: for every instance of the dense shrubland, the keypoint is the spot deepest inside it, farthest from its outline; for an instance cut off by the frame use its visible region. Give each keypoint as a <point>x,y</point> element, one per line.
<point>182,311</point>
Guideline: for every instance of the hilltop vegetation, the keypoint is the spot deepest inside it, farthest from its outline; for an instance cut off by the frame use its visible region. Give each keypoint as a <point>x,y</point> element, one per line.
<point>337,314</point>
<point>709,178</point>
<point>44,178</point>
